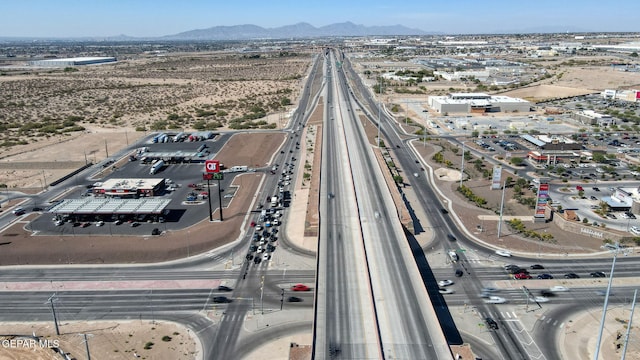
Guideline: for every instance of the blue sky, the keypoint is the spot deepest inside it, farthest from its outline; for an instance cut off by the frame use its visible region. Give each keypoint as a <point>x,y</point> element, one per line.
<point>73,18</point>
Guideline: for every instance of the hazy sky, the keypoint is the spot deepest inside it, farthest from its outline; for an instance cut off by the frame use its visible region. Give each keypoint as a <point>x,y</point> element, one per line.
<point>74,18</point>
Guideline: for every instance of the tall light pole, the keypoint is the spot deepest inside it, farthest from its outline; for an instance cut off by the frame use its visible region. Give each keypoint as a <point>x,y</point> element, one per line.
<point>53,310</point>
<point>626,336</point>
<point>504,186</point>
<point>606,302</point>
<point>462,166</point>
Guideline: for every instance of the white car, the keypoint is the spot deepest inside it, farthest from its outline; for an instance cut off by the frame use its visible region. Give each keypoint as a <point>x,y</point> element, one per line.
<point>445,282</point>
<point>446,291</point>
<point>59,222</point>
<point>266,257</point>
<point>495,300</point>
<point>258,227</point>
<point>540,299</point>
<point>559,288</point>
<point>100,223</point>
<point>504,253</point>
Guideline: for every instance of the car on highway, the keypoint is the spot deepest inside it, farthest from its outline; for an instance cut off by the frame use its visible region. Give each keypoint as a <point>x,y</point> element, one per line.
<point>445,282</point>
<point>445,291</point>
<point>444,211</point>
<point>459,273</point>
<point>491,324</point>
<point>604,293</point>
<point>545,276</point>
<point>257,260</point>
<point>522,276</point>
<point>59,222</point>
<point>598,274</point>
<point>224,288</point>
<point>490,289</point>
<point>571,276</point>
<point>18,211</point>
<point>504,253</point>
<point>221,300</point>
<point>294,299</point>
<point>558,288</point>
<point>519,271</point>
<point>536,267</point>
<point>495,300</point>
<point>595,188</point>
<point>300,287</point>
<point>450,237</point>
<point>547,293</point>
<point>539,299</point>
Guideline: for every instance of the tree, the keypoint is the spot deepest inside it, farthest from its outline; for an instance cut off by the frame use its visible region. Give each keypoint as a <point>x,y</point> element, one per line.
<point>634,54</point>
<point>516,161</point>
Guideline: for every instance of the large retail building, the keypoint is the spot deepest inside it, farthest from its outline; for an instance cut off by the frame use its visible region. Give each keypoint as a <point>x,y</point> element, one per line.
<point>477,103</point>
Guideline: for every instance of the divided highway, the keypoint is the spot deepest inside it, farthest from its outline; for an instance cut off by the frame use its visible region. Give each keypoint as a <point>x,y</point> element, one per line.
<point>407,326</point>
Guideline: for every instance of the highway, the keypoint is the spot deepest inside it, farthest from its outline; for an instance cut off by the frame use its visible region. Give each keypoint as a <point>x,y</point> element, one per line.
<point>403,316</point>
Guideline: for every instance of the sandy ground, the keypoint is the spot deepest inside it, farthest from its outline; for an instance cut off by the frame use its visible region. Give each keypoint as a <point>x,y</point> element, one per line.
<point>107,340</point>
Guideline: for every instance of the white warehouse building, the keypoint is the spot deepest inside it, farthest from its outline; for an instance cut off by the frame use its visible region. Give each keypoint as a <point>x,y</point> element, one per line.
<point>477,103</point>
<point>89,60</point>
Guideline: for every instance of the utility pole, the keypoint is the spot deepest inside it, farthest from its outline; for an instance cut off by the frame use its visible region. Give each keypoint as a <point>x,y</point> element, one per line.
<point>379,110</point>
<point>86,344</point>
<point>53,310</point>
<point>504,186</point>
<point>106,149</point>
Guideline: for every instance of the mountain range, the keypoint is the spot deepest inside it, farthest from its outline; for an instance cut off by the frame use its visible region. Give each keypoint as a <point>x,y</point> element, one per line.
<point>299,30</point>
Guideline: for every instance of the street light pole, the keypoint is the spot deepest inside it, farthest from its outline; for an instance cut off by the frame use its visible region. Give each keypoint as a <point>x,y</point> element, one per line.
<point>504,186</point>
<point>462,166</point>
<point>606,302</point>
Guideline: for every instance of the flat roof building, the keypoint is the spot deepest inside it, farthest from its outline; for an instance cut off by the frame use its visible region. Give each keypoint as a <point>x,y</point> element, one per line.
<point>477,103</point>
<point>87,60</point>
<point>128,188</point>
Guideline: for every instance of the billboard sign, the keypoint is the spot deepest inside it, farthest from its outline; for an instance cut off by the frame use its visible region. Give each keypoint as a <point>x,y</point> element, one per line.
<point>212,166</point>
<point>497,177</point>
<point>543,198</point>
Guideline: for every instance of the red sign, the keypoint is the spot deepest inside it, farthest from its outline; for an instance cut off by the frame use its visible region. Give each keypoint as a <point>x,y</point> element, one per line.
<point>212,166</point>
<point>207,176</point>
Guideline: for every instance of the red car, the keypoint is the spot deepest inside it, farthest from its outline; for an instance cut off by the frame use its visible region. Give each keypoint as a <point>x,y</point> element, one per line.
<point>522,276</point>
<point>579,188</point>
<point>253,224</point>
<point>300,287</point>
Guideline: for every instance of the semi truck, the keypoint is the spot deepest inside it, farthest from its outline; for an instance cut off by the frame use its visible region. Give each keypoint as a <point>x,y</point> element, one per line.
<point>156,167</point>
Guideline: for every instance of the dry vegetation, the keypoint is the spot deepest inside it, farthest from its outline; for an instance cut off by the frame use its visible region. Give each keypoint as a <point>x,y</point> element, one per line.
<point>64,116</point>
<point>172,92</point>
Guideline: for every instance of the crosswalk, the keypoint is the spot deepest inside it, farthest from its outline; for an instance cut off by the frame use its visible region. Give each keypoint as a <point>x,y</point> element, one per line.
<point>513,316</point>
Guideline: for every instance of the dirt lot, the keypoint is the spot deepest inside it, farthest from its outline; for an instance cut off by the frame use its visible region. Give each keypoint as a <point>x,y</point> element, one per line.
<point>107,340</point>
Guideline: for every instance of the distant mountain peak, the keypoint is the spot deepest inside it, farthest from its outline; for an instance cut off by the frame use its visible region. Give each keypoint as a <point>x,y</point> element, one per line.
<point>298,30</point>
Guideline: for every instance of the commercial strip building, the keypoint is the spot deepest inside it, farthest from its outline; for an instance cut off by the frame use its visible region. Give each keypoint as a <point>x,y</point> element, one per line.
<point>477,103</point>
<point>590,117</point>
<point>128,188</point>
<point>73,61</point>
<point>624,95</point>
